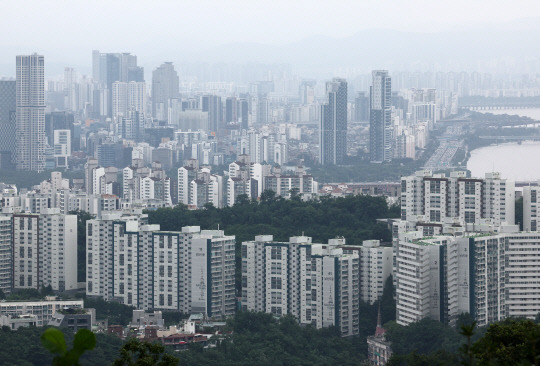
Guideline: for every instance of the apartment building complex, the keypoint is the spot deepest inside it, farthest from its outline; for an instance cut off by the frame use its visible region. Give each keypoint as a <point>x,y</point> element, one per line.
<point>437,197</point>
<point>316,283</point>
<point>137,264</point>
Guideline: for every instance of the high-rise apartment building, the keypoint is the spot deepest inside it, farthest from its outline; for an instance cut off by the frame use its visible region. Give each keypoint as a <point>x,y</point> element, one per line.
<point>191,271</point>
<point>165,86</point>
<point>5,254</point>
<point>437,197</point>
<point>375,268</point>
<point>489,275</point>
<point>108,68</point>
<point>128,97</point>
<point>8,106</point>
<point>531,207</point>
<point>30,113</point>
<point>316,283</point>
<point>45,250</point>
<point>212,104</point>
<point>333,127</point>
<point>380,113</point>
<point>361,107</point>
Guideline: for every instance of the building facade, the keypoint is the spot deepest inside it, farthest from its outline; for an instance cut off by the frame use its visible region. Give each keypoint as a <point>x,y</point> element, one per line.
<point>30,114</point>
<point>315,283</point>
<point>333,127</point>
<point>380,113</point>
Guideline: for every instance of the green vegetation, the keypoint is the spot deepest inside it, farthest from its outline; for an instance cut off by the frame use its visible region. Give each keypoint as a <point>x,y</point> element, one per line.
<point>351,217</point>
<point>115,312</point>
<point>364,171</point>
<point>29,294</point>
<point>261,339</point>
<point>354,218</point>
<point>427,342</point>
<point>137,353</point>
<point>23,347</point>
<point>54,341</point>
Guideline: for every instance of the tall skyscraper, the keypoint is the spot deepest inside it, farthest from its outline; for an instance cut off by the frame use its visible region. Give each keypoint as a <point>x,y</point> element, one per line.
<point>127,97</point>
<point>30,119</point>
<point>380,113</point>
<point>108,68</point>
<point>165,86</point>
<point>212,104</point>
<point>361,107</point>
<point>8,106</point>
<point>333,128</point>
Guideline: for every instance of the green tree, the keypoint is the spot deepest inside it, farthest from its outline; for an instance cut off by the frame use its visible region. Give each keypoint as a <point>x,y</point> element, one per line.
<point>53,340</point>
<point>510,342</point>
<point>137,353</point>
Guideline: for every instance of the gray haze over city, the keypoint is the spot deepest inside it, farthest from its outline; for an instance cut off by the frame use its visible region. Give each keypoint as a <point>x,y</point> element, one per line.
<point>226,178</point>
<point>316,37</point>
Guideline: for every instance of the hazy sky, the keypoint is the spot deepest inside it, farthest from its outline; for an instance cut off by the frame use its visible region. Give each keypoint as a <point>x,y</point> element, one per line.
<point>114,23</point>
<point>69,30</point>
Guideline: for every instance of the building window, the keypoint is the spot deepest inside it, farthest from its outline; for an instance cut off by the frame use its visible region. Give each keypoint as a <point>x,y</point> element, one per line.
<point>275,283</point>
<point>275,253</point>
<point>435,215</point>
<point>470,217</point>
<point>470,187</point>
<point>21,252</point>
<point>435,186</point>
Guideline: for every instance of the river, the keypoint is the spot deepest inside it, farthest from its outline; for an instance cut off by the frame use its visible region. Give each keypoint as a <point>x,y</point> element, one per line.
<point>533,113</point>
<point>514,161</point>
<point>518,162</point>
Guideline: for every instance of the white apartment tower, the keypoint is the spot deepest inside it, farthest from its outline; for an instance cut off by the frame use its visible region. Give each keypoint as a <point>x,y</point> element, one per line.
<point>315,283</point>
<point>531,206</point>
<point>375,268</point>
<point>437,197</point>
<point>30,113</point>
<point>5,254</point>
<point>45,250</point>
<point>191,271</point>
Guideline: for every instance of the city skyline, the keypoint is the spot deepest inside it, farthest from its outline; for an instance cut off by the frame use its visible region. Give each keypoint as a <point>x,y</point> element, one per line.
<point>273,32</point>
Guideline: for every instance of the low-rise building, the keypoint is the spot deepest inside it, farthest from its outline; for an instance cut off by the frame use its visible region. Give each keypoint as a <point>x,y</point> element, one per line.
<point>43,310</point>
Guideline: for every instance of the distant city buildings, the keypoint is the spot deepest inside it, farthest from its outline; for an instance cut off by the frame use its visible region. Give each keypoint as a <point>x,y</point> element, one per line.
<point>333,128</point>
<point>165,86</point>
<point>8,107</point>
<point>30,113</point>
<point>380,113</point>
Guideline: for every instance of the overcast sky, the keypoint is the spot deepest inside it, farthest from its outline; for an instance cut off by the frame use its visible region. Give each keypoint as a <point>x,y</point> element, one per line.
<point>69,29</point>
